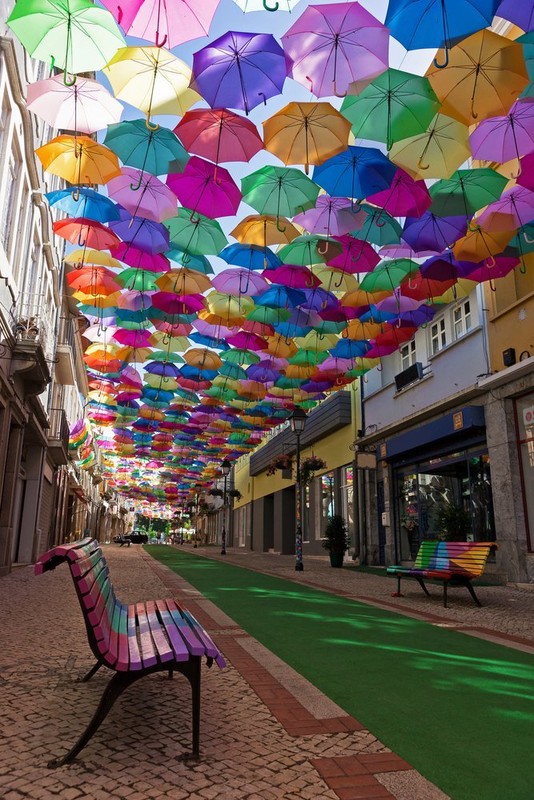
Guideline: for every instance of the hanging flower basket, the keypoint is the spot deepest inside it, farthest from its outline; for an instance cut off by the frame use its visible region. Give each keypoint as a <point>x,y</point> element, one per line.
<point>283,462</point>
<point>216,492</point>
<point>309,467</point>
<point>235,493</point>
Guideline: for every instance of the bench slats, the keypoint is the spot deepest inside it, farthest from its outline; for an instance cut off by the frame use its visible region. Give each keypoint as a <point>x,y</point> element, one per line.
<point>133,645</point>
<point>146,645</point>
<point>195,646</point>
<point>161,643</point>
<point>180,649</point>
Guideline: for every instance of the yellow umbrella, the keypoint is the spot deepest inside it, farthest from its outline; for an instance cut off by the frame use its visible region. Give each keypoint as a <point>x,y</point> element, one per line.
<point>183,281</point>
<point>334,280</point>
<point>97,300</point>
<point>264,230</point>
<point>134,354</point>
<point>88,257</point>
<point>78,159</point>
<point>151,79</point>
<point>280,347</point>
<point>359,297</point>
<point>229,307</point>
<point>479,244</point>
<point>357,330</point>
<point>436,153</point>
<point>171,344</point>
<point>461,289</point>
<point>317,342</point>
<point>484,75</point>
<point>297,371</point>
<point>215,319</point>
<point>157,382</point>
<point>306,133</point>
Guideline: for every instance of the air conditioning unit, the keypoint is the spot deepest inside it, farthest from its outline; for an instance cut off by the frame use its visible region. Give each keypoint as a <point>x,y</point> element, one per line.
<point>409,375</point>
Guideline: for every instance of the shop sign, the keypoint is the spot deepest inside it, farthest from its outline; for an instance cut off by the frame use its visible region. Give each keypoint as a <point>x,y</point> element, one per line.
<point>528,416</point>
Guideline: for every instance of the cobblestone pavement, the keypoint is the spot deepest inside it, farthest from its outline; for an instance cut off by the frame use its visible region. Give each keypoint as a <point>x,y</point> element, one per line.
<point>266,733</point>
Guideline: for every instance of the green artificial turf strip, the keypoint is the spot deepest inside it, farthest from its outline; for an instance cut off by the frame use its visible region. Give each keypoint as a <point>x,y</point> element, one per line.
<point>458,709</point>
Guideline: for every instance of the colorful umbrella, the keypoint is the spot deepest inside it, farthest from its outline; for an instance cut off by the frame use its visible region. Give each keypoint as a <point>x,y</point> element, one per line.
<point>250,256</point>
<point>85,106</point>
<point>264,230</point>
<point>332,216</point>
<point>144,234</point>
<point>357,256</point>
<point>164,25</point>
<point>134,257</point>
<point>83,203</point>
<point>356,173</point>
<point>219,134</point>
<point>332,45</point>
<point>143,195</point>
<point>197,235</point>
<point>85,232</point>
<point>306,133</point>
<point>78,159</point>
<point>206,188</point>
<point>430,232</point>
<point>405,197</point>
<point>388,275</point>
<point>151,79</point>
<point>505,138</point>
<point>485,73</point>
<point>394,106</point>
<point>74,35</point>
<point>307,250</point>
<point>437,153</point>
<point>514,209</point>
<point>183,281</point>
<point>279,190</point>
<point>156,151</point>
<point>467,191</point>
<point>479,244</point>
<point>239,281</point>
<point>239,70</point>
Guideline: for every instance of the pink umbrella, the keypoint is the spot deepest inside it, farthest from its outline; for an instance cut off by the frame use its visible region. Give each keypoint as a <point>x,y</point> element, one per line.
<point>164,23</point>
<point>132,338</point>
<point>84,107</point>
<point>143,194</point>
<point>526,175</point>
<point>505,138</point>
<point>332,216</point>
<point>206,188</point>
<point>172,303</point>
<point>152,262</point>
<point>333,45</point>
<point>134,300</point>
<point>357,256</point>
<point>240,281</point>
<point>217,331</point>
<point>514,209</point>
<point>489,269</point>
<point>247,341</point>
<point>397,303</point>
<point>219,135</point>
<point>405,197</point>
<point>293,276</point>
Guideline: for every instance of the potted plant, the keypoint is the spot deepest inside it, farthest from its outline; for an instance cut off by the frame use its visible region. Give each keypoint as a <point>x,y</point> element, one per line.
<point>336,539</point>
<point>309,467</point>
<point>283,462</point>
<point>235,493</point>
<point>454,522</point>
<point>216,492</point>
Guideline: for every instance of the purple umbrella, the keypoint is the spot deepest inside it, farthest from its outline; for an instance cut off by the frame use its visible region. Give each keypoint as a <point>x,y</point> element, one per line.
<point>357,256</point>
<point>142,194</point>
<point>520,12</point>
<point>405,197</point>
<point>239,70</point>
<point>135,257</point>
<point>514,209</point>
<point>444,267</point>
<point>206,188</point>
<point>293,276</point>
<point>141,233</point>
<point>333,45</point>
<point>430,232</point>
<point>504,138</point>
<point>319,299</point>
<point>417,317</point>
<point>489,269</point>
<point>332,216</point>
<point>239,281</point>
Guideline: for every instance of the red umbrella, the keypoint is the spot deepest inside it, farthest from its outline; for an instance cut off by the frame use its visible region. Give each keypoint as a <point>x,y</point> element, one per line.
<point>86,232</point>
<point>219,135</point>
<point>206,189</point>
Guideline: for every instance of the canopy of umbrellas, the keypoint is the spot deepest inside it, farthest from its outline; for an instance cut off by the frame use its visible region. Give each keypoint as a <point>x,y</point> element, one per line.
<point>352,246</point>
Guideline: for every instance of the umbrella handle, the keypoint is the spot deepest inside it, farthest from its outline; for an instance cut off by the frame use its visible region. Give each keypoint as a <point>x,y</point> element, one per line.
<point>135,187</point>
<point>379,222</point>
<point>318,248</point>
<point>439,65</point>
<point>157,42</point>
<point>490,263</point>
<point>262,94</point>
<point>278,228</point>
<point>420,164</point>
<point>150,126</point>
<point>67,82</point>
<point>527,239</point>
<point>76,194</point>
<point>335,91</point>
<point>271,8</point>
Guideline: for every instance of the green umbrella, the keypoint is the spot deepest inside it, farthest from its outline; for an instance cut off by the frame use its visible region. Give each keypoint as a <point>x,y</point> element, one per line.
<point>269,316</point>
<point>394,106</point>
<point>289,383</point>
<point>140,280</point>
<point>233,371</point>
<point>379,227</point>
<point>387,275</point>
<point>163,355</point>
<point>195,234</point>
<point>239,356</point>
<point>465,192</point>
<point>197,263</point>
<point>306,358</point>
<point>307,250</point>
<point>76,35</point>
<point>281,191</point>
<point>157,151</point>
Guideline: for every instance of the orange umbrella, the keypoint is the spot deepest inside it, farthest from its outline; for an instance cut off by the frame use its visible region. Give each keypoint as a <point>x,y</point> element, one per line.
<point>79,159</point>
<point>479,244</point>
<point>183,281</point>
<point>264,230</point>
<point>203,358</point>
<point>98,280</point>
<point>306,133</point>
<point>484,75</point>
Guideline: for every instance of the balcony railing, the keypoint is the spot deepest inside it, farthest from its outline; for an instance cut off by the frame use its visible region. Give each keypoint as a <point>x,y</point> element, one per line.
<point>32,320</point>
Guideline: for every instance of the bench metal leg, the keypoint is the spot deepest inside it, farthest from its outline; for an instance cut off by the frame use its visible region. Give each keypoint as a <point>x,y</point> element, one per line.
<point>421,583</point>
<point>193,675</point>
<point>444,594</point>
<point>398,592</point>
<point>119,682</point>
<point>92,671</point>
<point>471,591</point>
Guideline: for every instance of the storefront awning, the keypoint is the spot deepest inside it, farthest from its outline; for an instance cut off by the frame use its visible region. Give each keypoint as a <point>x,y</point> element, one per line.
<point>455,425</point>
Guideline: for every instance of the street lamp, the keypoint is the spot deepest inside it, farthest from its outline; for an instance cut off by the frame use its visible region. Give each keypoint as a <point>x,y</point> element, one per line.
<point>297,420</point>
<point>225,469</point>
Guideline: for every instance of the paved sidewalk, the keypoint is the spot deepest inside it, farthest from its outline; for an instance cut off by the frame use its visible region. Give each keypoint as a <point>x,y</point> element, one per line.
<point>266,733</point>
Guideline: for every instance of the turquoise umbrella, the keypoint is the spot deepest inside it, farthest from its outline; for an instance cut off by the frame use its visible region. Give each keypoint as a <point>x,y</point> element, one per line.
<point>156,151</point>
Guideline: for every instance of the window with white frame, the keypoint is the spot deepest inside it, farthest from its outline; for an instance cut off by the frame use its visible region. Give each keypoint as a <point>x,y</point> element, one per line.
<point>461,319</point>
<point>408,355</point>
<point>438,336</point>
<point>13,178</point>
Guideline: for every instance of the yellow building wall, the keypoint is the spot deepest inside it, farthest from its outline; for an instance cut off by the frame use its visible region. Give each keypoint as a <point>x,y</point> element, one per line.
<point>510,315</point>
<point>333,449</point>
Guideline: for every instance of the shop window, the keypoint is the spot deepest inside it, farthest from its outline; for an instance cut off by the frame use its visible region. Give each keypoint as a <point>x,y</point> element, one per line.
<point>408,355</point>
<point>524,408</point>
<point>438,336</point>
<point>461,319</point>
<point>347,497</point>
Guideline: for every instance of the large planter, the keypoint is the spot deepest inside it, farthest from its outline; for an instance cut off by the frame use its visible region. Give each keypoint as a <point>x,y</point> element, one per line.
<point>336,558</point>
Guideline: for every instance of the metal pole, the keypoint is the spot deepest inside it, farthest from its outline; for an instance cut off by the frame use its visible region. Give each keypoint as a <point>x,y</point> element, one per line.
<point>223,533</point>
<point>299,566</point>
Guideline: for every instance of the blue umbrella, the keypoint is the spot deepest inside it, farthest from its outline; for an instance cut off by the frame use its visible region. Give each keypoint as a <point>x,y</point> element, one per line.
<point>430,232</point>
<point>239,70</point>
<point>356,173</point>
<point>250,256</point>
<point>156,151</point>
<point>144,234</point>
<point>84,203</point>
<point>280,297</point>
<point>349,348</point>
<point>420,24</point>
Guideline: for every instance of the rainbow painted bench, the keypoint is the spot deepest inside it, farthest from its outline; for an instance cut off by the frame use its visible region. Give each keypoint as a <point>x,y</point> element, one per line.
<point>133,639</point>
<point>451,563</point>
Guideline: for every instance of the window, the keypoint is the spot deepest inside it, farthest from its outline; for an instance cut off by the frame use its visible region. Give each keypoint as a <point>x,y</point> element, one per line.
<point>438,336</point>
<point>408,355</point>
<point>13,178</point>
<point>461,318</point>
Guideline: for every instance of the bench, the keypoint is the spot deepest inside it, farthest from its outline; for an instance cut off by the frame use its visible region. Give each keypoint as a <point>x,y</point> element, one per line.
<point>133,639</point>
<point>122,540</point>
<point>451,563</point>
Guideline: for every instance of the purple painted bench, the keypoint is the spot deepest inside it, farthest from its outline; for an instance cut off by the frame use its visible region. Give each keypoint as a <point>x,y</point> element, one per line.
<point>133,639</point>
